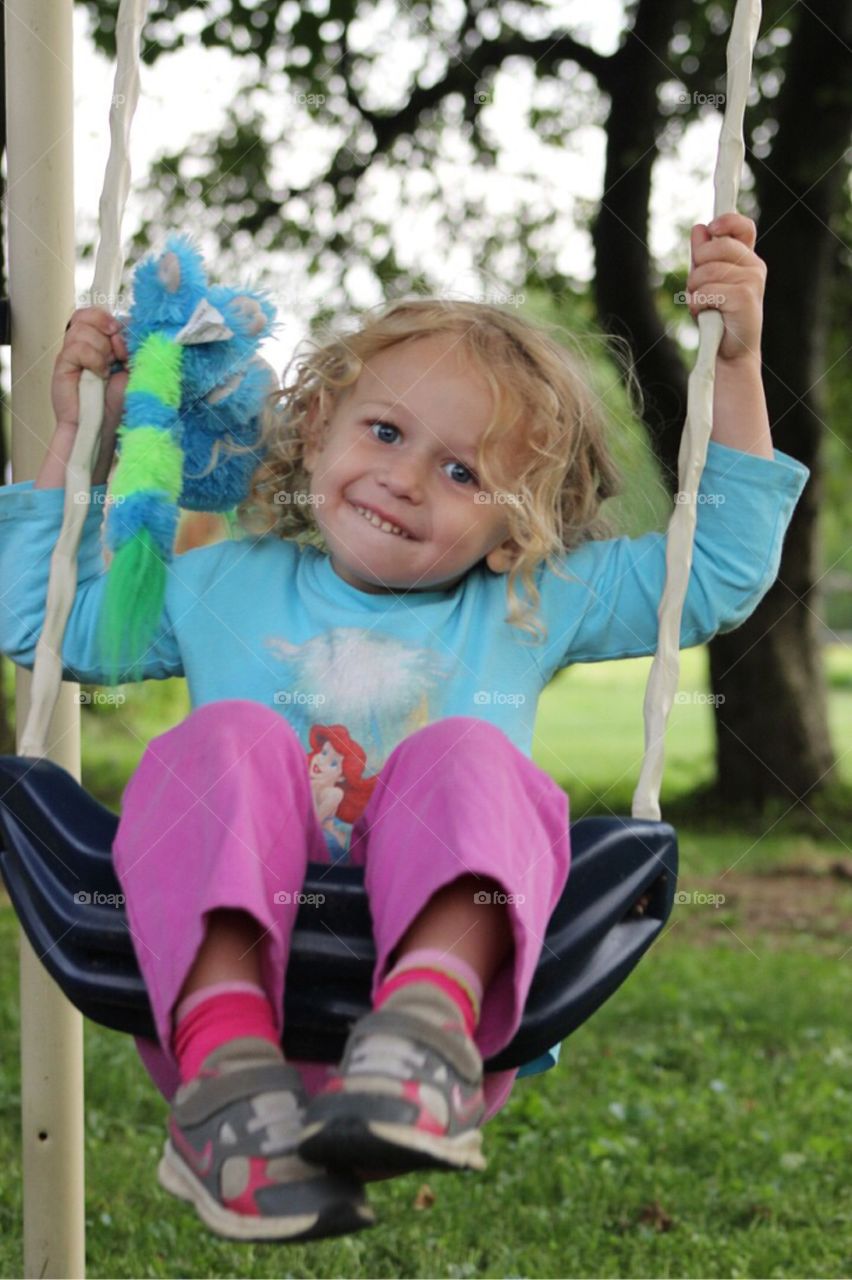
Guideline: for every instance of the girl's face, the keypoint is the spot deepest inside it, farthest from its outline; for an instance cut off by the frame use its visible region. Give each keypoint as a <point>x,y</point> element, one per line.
<point>402,443</point>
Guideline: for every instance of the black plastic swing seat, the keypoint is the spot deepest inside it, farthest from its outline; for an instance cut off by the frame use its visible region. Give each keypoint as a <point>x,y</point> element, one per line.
<point>57,867</point>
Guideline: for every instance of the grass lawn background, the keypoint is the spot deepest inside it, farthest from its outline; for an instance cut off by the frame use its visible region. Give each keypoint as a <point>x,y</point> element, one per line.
<point>697,1125</point>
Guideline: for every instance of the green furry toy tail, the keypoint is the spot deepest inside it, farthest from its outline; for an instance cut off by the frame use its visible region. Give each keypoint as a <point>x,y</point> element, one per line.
<point>143,520</point>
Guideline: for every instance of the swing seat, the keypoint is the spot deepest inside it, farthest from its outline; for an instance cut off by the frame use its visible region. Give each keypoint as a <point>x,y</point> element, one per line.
<point>56,862</point>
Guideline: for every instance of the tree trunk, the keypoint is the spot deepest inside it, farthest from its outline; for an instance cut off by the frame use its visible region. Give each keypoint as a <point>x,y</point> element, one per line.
<point>772,728</point>
<point>624,294</point>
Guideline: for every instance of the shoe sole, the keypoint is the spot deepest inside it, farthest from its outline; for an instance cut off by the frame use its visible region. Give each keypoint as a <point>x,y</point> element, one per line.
<point>337,1219</point>
<point>349,1143</point>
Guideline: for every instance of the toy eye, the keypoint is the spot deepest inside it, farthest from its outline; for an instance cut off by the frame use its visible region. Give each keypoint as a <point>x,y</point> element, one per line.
<point>252,313</point>
<point>224,390</point>
<point>168,272</point>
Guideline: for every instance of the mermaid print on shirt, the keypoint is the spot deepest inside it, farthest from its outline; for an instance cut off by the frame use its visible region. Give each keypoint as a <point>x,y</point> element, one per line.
<point>352,695</point>
<point>338,786</point>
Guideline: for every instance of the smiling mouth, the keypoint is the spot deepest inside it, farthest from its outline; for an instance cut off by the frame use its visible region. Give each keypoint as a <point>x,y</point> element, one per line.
<point>384,526</point>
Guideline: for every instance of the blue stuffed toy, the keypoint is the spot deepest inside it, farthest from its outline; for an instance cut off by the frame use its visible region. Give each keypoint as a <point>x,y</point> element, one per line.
<point>195,382</point>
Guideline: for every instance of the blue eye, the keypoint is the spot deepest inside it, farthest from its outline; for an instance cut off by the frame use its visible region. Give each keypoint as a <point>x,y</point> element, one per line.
<point>377,422</point>
<point>389,425</point>
<point>469,474</point>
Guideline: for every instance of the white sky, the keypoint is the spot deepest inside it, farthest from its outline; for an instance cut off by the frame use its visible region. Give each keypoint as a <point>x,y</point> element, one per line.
<point>168,115</point>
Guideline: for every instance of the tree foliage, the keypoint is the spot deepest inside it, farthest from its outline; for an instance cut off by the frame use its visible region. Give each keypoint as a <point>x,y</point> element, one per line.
<point>310,64</point>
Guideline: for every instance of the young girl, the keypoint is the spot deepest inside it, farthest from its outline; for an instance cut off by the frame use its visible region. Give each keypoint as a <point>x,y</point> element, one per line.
<point>372,697</point>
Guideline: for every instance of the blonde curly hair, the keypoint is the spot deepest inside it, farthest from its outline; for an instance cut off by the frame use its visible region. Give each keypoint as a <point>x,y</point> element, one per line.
<point>539,388</point>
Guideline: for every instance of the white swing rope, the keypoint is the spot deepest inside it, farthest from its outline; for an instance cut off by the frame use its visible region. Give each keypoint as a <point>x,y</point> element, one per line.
<point>109,264</point>
<point>665,669</point>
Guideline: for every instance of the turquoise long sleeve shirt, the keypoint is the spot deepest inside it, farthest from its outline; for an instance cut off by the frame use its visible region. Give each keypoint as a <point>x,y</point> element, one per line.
<point>267,620</point>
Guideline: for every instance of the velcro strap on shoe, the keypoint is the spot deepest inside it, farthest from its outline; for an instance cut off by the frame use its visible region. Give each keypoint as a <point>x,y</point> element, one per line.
<point>459,1050</point>
<point>214,1092</point>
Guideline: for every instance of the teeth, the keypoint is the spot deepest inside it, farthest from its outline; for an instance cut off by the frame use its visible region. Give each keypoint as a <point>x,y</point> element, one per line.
<point>384,525</point>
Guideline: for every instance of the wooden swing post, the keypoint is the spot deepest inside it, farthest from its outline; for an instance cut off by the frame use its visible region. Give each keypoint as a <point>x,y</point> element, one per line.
<point>40,195</point>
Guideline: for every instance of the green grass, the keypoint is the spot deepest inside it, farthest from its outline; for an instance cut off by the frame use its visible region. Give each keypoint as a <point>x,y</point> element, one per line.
<point>589,732</point>
<point>589,737</point>
<point>697,1125</point>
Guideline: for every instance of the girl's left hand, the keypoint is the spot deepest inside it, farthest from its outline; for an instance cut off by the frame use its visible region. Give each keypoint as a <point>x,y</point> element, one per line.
<point>728,276</point>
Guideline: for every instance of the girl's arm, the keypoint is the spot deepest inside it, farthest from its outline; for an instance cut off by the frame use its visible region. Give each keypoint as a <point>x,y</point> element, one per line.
<point>607,607</point>
<point>93,340</point>
<point>727,275</point>
<point>31,516</point>
<point>56,459</point>
<point>740,416</point>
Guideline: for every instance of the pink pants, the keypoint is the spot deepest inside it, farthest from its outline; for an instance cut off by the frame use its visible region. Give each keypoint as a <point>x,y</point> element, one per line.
<point>219,813</point>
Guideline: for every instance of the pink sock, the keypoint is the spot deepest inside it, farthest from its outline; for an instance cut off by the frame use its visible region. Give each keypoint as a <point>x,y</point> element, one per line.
<point>213,1015</point>
<point>215,989</point>
<point>455,977</point>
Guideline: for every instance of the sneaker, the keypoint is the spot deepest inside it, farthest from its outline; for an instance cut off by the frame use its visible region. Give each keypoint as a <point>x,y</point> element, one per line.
<point>408,1095</point>
<point>231,1152</point>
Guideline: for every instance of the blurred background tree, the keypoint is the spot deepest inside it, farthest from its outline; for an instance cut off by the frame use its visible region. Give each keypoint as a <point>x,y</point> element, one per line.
<point>312,65</point>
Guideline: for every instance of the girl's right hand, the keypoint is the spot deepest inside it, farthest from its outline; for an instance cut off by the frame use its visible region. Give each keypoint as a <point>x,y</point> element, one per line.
<point>93,340</point>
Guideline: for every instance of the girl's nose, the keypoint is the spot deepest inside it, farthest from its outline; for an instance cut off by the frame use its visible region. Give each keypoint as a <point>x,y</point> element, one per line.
<point>404,480</point>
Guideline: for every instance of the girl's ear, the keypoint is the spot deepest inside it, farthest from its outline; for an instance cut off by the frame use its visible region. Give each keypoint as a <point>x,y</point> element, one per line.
<point>501,559</point>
